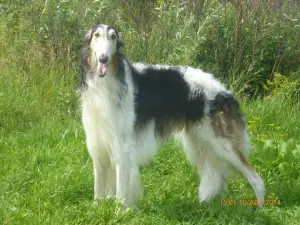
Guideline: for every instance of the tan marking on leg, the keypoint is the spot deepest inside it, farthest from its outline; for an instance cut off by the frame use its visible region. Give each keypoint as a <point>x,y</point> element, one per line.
<point>230,125</point>
<point>242,157</point>
<point>218,124</point>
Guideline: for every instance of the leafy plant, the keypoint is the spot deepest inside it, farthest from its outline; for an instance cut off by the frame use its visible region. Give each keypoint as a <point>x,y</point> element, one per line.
<point>283,155</point>
<point>287,87</point>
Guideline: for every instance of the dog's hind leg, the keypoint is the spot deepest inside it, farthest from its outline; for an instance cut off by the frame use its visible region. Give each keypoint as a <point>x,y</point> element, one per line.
<point>230,143</point>
<point>237,160</point>
<point>212,180</point>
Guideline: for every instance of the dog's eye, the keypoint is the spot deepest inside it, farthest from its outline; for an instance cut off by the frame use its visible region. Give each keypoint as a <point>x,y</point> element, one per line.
<point>97,35</point>
<point>113,36</point>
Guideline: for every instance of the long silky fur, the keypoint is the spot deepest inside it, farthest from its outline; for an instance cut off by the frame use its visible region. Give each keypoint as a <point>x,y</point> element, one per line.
<point>129,113</point>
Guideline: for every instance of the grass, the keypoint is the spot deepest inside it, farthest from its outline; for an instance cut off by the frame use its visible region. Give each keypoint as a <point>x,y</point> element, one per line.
<point>46,172</point>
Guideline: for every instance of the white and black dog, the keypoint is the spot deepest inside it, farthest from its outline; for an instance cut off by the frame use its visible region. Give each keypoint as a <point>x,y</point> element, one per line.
<point>128,110</point>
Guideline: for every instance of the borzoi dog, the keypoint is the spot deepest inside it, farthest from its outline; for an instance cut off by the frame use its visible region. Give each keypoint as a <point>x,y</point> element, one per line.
<point>128,110</point>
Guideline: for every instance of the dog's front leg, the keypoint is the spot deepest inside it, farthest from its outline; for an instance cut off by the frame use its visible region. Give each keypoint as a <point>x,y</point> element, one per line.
<point>123,178</point>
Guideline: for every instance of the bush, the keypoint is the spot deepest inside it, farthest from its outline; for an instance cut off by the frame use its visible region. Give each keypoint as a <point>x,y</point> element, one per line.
<point>267,43</point>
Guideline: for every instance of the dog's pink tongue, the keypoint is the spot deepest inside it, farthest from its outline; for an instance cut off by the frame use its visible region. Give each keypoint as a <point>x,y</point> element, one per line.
<point>102,69</point>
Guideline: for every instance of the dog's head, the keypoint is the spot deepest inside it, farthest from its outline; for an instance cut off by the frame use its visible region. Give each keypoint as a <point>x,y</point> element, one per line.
<point>102,45</point>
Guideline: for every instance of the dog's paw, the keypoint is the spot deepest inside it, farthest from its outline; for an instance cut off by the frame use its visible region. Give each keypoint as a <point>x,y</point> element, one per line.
<point>205,195</point>
<point>208,191</point>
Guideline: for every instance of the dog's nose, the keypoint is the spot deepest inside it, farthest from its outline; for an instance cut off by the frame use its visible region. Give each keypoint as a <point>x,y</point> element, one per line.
<point>103,59</point>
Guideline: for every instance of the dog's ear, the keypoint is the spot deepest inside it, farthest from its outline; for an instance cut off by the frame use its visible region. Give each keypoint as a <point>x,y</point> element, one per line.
<point>120,42</point>
<point>85,58</point>
<point>88,36</point>
<point>86,46</point>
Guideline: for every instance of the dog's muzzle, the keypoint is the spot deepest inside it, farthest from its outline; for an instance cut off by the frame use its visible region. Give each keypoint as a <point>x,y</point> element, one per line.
<point>102,66</point>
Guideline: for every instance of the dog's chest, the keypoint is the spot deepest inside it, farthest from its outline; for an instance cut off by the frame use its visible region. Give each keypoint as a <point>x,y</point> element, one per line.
<point>98,107</point>
<point>106,114</point>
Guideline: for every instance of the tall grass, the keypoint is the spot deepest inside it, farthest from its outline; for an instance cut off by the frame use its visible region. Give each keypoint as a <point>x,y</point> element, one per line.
<point>45,170</point>
<point>244,52</point>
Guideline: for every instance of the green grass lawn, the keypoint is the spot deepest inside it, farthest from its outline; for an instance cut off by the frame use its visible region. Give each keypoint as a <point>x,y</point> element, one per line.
<point>46,172</point>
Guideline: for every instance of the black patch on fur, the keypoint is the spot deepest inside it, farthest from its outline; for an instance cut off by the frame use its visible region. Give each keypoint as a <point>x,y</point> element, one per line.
<point>84,65</point>
<point>120,43</point>
<point>163,95</point>
<point>82,74</point>
<point>224,101</point>
<point>121,78</point>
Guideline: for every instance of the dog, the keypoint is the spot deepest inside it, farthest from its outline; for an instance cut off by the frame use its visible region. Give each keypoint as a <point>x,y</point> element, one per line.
<point>130,109</point>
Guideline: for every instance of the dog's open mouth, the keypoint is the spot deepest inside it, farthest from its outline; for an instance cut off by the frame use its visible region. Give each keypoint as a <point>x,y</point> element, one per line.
<point>101,68</point>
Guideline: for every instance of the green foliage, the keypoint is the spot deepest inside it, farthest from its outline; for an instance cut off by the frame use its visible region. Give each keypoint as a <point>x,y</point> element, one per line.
<point>283,155</point>
<point>46,173</point>
<point>284,87</point>
<point>170,32</point>
<point>267,43</point>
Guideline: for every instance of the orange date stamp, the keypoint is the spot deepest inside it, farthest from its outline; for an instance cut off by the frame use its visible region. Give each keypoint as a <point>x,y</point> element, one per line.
<point>245,202</point>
